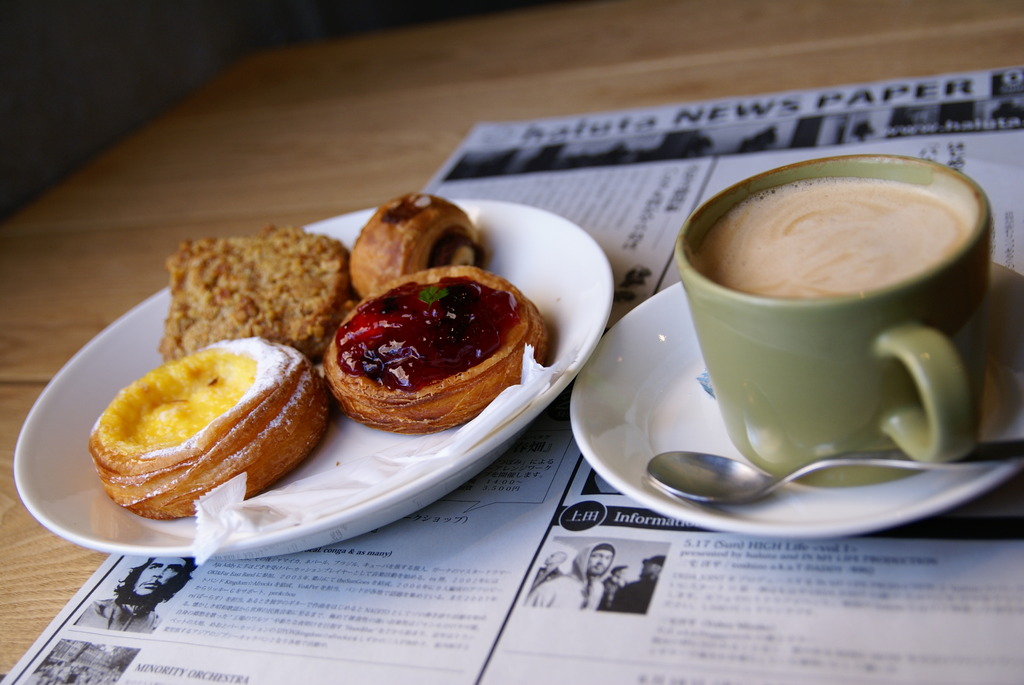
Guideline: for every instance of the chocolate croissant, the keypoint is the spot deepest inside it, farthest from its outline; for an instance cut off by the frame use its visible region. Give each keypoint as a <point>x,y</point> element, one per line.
<point>193,423</point>
<point>409,234</point>
<point>432,350</point>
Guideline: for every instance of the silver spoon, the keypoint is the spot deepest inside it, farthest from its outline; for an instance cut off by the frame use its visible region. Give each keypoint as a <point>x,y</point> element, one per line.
<point>712,478</point>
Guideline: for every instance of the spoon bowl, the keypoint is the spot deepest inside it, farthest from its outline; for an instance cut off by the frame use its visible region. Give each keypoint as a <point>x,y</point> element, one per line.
<point>715,479</point>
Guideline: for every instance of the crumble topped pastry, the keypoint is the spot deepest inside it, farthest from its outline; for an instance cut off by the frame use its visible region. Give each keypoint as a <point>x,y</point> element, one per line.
<point>284,285</point>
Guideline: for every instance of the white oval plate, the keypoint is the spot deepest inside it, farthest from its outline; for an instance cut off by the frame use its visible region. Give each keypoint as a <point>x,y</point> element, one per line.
<point>553,261</point>
<point>639,395</point>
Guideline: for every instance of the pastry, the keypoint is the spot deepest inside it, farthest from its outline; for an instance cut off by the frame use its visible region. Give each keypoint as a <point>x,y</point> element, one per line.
<point>433,350</point>
<point>193,423</point>
<point>283,285</point>
<point>409,234</point>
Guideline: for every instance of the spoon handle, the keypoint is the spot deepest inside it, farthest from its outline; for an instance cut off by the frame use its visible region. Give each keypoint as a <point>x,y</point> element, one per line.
<point>984,455</point>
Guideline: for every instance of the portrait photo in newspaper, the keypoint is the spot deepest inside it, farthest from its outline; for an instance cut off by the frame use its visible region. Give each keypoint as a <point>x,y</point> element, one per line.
<point>596,574</point>
<point>133,605</point>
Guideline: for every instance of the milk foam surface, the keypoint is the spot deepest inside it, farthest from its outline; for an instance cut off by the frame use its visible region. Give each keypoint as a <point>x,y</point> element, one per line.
<point>832,236</point>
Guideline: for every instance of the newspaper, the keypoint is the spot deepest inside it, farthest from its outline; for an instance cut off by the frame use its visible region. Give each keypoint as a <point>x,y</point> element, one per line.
<point>446,595</point>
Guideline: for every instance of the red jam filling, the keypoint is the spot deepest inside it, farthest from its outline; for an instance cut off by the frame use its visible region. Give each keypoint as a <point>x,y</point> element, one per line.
<point>417,334</point>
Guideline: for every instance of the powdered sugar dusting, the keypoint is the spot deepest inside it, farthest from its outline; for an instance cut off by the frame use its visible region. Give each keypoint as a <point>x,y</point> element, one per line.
<point>273,361</point>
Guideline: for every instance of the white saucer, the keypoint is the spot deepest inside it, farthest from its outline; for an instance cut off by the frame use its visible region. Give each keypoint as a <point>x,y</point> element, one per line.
<point>639,395</point>
<point>553,261</point>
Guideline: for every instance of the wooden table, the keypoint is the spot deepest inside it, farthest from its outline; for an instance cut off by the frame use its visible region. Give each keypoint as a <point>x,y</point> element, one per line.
<point>308,132</point>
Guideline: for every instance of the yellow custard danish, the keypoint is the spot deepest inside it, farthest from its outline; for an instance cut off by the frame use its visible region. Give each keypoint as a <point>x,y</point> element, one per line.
<point>191,424</point>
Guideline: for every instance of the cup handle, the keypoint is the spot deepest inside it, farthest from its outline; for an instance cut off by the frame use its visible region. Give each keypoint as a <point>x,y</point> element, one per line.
<point>941,426</point>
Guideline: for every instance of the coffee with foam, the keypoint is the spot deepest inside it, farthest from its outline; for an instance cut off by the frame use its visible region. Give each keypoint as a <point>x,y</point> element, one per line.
<point>830,236</point>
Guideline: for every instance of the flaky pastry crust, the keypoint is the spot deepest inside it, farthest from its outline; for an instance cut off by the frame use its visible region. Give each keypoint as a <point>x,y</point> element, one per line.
<point>451,401</point>
<point>411,233</point>
<point>271,428</point>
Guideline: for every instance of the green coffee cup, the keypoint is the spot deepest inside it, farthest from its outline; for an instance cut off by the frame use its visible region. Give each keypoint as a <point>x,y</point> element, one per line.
<point>873,359</point>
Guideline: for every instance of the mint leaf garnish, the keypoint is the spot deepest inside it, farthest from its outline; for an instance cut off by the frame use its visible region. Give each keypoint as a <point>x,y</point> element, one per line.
<point>432,294</point>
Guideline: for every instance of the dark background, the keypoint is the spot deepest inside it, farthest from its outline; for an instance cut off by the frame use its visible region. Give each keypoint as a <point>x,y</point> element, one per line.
<point>76,75</point>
